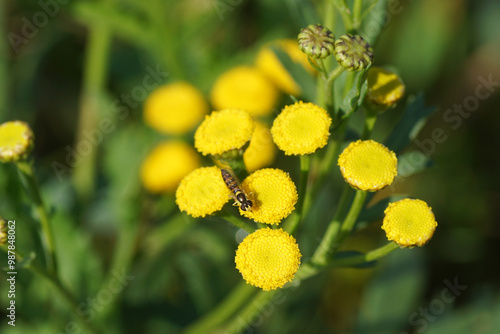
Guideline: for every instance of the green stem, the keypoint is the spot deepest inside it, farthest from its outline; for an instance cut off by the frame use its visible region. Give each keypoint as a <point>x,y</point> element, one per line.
<point>94,80</point>
<point>365,258</point>
<point>238,296</point>
<point>65,293</point>
<point>345,13</point>
<point>28,177</point>
<point>3,63</point>
<point>303,195</point>
<point>310,269</point>
<point>242,319</point>
<point>161,236</point>
<point>356,14</point>
<point>370,119</point>
<point>320,256</point>
<point>350,219</point>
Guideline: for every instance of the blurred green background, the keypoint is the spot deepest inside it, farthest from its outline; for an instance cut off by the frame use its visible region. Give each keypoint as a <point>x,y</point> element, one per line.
<point>446,49</point>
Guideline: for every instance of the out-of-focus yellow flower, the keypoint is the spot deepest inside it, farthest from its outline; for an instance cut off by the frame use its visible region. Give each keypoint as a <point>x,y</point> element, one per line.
<point>244,87</point>
<point>368,165</point>
<point>202,192</point>
<point>385,89</point>
<point>261,151</point>
<point>301,128</point>
<point>409,222</point>
<point>3,231</point>
<point>223,131</point>
<point>273,194</point>
<point>16,141</point>
<point>167,164</point>
<point>175,108</point>
<point>268,259</point>
<point>270,65</point>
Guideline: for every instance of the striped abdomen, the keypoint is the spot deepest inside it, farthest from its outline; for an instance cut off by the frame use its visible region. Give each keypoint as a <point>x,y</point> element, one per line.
<point>238,194</point>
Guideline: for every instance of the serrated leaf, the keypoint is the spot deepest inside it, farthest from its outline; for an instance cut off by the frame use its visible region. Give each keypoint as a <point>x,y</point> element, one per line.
<point>414,118</point>
<point>299,74</point>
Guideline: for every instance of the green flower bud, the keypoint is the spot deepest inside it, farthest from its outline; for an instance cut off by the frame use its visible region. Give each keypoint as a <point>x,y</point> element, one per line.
<point>316,41</point>
<point>16,141</point>
<point>353,52</point>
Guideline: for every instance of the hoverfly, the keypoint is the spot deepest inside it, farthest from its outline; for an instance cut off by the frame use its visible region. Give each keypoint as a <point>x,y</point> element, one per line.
<point>237,193</point>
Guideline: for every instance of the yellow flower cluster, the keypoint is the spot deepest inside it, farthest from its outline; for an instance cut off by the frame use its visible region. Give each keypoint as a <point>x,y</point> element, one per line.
<point>261,151</point>
<point>175,108</point>
<point>3,231</point>
<point>301,128</point>
<point>16,141</point>
<point>409,222</point>
<point>222,131</point>
<point>244,87</point>
<point>202,192</point>
<point>273,194</point>
<point>368,165</point>
<point>268,259</point>
<point>167,164</point>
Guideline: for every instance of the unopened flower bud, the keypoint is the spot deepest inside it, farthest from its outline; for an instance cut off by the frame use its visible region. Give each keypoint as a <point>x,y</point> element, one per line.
<point>316,41</point>
<point>385,89</point>
<point>353,52</point>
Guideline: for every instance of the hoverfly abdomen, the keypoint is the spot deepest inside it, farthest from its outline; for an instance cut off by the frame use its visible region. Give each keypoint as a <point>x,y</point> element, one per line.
<point>237,193</point>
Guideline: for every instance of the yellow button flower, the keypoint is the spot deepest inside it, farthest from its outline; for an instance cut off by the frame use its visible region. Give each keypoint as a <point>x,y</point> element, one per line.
<point>167,164</point>
<point>244,87</point>
<point>202,192</point>
<point>261,151</point>
<point>409,222</point>
<point>175,108</point>
<point>301,128</point>
<point>16,141</point>
<point>273,194</point>
<point>385,88</point>
<point>223,131</point>
<point>270,65</point>
<point>268,259</point>
<point>368,165</point>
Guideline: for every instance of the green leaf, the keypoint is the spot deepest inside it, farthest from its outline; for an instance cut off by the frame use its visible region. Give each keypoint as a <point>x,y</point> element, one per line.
<point>302,12</point>
<point>374,21</point>
<point>392,295</point>
<point>414,118</point>
<point>354,98</point>
<point>376,212</point>
<point>299,74</point>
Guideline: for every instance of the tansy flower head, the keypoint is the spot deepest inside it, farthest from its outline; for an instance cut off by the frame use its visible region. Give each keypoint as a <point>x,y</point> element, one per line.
<point>16,141</point>
<point>261,151</point>
<point>246,88</point>
<point>385,89</point>
<point>175,108</point>
<point>202,192</point>
<point>301,128</point>
<point>223,131</point>
<point>409,222</point>
<point>3,231</point>
<point>167,164</point>
<point>353,52</point>
<point>368,165</point>
<point>268,259</point>
<point>270,65</point>
<point>273,194</point>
